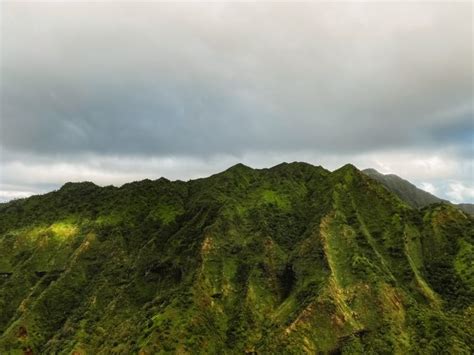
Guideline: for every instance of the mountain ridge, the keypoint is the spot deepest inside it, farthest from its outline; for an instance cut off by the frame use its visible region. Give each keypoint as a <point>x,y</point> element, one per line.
<point>415,196</point>
<point>290,259</point>
<point>410,193</point>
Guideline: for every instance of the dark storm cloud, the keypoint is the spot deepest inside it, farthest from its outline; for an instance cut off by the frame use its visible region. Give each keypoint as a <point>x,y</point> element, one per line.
<point>458,130</point>
<point>206,79</point>
<point>197,81</point>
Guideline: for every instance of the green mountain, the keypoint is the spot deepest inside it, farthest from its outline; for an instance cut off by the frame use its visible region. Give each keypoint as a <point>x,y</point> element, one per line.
<point>409,193</point>
<point>292,259</point>
<point>404,189</point>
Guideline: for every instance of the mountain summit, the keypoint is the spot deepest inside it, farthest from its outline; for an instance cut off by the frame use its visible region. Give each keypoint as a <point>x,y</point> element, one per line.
<point>291,259</point>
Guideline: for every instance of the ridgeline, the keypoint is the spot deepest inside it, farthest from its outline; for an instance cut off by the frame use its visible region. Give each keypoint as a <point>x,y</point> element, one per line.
<point>292,259</point>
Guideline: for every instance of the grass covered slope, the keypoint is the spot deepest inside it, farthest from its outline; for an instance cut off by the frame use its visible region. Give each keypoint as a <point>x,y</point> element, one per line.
<point>290,259</point>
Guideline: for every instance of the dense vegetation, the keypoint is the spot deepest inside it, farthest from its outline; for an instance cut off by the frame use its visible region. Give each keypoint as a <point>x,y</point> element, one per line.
<point>290,259</point>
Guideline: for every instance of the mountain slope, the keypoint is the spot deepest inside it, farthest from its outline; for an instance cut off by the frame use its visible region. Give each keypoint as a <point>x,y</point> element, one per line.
<point>404,189</point>
<point>409,193</point>
<point>290,259</point>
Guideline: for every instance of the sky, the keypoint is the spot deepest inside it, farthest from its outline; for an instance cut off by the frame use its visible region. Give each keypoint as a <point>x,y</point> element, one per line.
<point>113,92</point>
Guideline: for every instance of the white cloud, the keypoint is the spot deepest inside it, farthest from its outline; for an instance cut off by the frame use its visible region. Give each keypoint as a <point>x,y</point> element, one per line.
<point>459,192</point>
<point>11,195</point>
<point>429,187</point>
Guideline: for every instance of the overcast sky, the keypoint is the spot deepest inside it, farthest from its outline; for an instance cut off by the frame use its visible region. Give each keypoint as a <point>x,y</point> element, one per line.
<point>112,93</point>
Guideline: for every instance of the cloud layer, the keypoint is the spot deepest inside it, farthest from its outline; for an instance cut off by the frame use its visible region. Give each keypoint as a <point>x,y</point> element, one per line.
<point>91,90</point>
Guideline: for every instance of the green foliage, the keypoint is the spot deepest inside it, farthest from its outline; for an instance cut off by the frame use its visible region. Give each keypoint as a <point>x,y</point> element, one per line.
<point>290,259</point>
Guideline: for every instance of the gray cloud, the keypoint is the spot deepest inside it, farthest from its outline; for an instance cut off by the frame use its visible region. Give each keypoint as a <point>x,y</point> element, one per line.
<point>202,81</point>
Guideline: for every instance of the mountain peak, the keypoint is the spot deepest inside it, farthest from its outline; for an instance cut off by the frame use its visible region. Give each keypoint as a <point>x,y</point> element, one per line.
<point>347,168</point>
<point>239,167</point>
<point>70,186</point>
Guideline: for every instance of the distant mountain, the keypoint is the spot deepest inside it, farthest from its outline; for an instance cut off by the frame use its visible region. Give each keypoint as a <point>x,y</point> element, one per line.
<point>289,260</point>
<point>409,193</point>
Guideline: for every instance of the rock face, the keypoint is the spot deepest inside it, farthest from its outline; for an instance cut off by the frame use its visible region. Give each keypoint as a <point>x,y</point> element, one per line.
<point>291,259</point>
